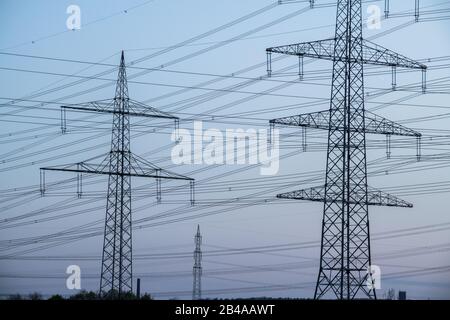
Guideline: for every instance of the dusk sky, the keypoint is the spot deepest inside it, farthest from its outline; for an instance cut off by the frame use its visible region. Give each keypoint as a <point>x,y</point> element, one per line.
<point>199,61</point>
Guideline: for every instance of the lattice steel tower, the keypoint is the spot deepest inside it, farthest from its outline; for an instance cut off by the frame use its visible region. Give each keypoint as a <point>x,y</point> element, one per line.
<point>345,246</point>
<point>197,270</point>
<point>120,164</point>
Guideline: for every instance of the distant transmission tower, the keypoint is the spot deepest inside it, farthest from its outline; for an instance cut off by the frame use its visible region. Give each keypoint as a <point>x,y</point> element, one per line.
<point>345,258</point>
<point>120,164</point>
<point>197,270</point>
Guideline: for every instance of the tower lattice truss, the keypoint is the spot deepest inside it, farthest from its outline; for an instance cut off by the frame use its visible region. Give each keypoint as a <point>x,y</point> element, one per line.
<point>197,269</point>
<point>345,257</point>
<point>120,164</point>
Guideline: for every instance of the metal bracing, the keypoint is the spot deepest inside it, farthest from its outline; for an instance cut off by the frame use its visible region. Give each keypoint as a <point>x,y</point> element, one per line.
<point>345,258</point>
<point>120,164</point>
<point>197,269</point>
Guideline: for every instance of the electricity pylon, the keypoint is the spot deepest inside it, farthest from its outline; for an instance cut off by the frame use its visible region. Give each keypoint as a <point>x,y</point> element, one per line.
<point>120,164</point>
<point>345,258</point>
<point>197,270</point>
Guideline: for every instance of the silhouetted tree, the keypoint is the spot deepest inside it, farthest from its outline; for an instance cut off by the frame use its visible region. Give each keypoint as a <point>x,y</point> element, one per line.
<point>85,295</point>
<point>35,296</point>
<point>146,296</point>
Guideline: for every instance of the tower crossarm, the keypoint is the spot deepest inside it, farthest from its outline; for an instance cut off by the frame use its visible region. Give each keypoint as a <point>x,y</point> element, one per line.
<point>380,125</point>
<point>139,167</point>
<point>320,49</point>
<point>374,197</point>
<point>371,53</point>
<point>378,55</point>
<point>321,120</point>
<point>136,109</point>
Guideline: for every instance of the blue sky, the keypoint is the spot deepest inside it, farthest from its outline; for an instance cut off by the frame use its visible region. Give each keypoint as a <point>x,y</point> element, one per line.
<point>140,28</point>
